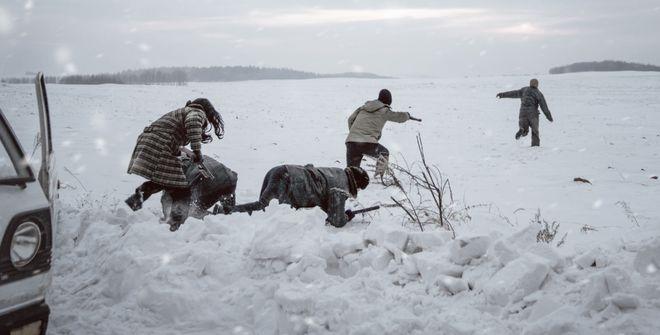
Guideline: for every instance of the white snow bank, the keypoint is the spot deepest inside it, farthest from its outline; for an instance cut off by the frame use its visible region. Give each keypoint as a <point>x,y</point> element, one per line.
<point>277,276</point>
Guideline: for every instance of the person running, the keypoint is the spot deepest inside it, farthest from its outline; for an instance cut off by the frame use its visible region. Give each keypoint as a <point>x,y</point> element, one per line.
<point>365,128</point>
<point>530,100</point>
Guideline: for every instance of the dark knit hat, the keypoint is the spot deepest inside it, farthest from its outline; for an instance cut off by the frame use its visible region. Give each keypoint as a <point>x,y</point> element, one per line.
<point>385,97</point>
<point>534,83</point>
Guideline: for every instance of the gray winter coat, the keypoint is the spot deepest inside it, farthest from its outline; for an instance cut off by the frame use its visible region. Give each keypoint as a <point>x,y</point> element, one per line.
<point>366,123</point>
<point>325,187</point>
<point>530,100</point>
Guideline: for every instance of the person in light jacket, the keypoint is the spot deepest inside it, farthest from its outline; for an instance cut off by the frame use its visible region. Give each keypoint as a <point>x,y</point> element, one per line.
<point>365,128</point>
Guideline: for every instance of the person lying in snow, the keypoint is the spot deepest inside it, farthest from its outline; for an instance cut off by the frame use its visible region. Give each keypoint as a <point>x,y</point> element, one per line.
<point>211,182</point>
<point>307,187</point>
<point>530,100</point>
<point>156,154</point>
<point>365,127</point>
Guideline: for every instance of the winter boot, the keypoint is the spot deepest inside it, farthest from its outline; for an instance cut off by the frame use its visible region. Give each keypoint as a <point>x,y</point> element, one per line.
<point>135,201</point>
<point>381,166</point>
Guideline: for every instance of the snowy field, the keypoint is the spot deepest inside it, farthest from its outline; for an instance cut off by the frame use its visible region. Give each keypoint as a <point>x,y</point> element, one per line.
<point>285,272</point>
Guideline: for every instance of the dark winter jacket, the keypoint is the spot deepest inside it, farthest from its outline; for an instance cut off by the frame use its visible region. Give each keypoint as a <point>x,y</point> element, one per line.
<point>325,187</point>
<point>207,192</point>
<point>366,123</point>
<point>155,156</point>
<point>530,100</point>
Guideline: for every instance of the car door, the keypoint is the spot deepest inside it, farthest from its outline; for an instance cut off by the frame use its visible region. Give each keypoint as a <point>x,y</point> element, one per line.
<point>47,174</point>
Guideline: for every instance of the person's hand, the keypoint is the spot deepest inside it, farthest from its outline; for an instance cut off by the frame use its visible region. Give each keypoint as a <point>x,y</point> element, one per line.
<point>349,214</point>
<point>550,118</point>
<point>498,95</point>
<point>197,157</point>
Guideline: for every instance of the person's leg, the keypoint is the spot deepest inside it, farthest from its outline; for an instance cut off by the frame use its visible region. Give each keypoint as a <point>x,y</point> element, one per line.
<point>142,193</point>
<point>273,187</point>
<point>523,126</point>
<point>534,124</point>
<point>382,159</point>
<point>353,154</point>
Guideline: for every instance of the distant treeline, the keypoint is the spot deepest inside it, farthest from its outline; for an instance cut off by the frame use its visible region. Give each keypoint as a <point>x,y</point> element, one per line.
<point>608,65</point>
<point>182,75</point>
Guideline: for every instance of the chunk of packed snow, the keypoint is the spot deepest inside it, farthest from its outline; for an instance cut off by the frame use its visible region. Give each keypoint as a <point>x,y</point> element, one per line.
<point>463,250</point>
<point>516,280</point>
<point>625,301</point>
<point>601,285</point>
<point>593,258</point>
<point>432,265</point>
<point>503,252</point>
<point>452,284</point>
<point>419,241</point>
<point>543,306</point>
<point>346,244</point>
<point>308,269</point>
<point>549,254</point>
<point>375,256</point>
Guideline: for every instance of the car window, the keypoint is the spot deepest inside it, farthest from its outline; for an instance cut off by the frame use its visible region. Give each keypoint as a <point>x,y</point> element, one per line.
<point>7,169</point>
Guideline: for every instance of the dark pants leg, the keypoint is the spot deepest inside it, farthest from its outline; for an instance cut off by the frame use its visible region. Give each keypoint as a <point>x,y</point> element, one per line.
<point>274,186</point>
<point>527,121</point>
<point>149,188</point>
<point>355,151</point>
<point>523,125</point>
<point>534,124</point>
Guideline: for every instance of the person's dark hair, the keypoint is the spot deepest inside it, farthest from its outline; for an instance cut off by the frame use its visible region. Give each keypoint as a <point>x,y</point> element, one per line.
<point>361,177</point>
<point>214,118</point>
<point>385,96</point>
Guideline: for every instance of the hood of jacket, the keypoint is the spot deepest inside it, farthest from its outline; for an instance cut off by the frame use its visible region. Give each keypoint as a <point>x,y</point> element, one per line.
<point>373,105</point>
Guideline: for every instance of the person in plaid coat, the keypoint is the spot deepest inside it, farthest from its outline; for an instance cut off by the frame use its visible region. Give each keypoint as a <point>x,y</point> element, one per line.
<point>156,154</point>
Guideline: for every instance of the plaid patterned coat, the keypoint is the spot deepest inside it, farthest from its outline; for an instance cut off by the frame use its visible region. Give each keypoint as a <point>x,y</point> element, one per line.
<point>156,153</point>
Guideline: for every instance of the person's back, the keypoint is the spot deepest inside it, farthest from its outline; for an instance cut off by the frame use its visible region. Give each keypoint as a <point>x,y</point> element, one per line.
<point>530,100</point>
<point>370,118</point>
<point>309,186</point>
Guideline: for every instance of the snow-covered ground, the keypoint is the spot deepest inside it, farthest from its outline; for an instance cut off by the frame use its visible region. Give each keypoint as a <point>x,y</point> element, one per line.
<point>284,271</point>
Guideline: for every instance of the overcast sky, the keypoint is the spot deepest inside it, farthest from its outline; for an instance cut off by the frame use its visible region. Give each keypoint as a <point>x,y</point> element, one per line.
<point>399,38</point>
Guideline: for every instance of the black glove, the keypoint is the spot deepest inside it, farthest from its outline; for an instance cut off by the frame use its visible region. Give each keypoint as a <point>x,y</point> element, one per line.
<point>499,95</point>
<point>197,156</point>
<point>550,118</point>
<point>349,214</point>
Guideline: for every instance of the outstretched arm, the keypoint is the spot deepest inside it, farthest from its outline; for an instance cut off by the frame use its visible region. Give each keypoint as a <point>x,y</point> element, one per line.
<point>544,108</point>
<point>510,94</point>
<point>399,117</point>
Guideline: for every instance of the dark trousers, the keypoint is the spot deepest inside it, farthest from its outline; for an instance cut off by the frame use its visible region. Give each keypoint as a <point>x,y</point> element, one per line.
<point>274,186</point>
<point>149,188</point>
<point>527,121</point>
<point>355,151</point>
